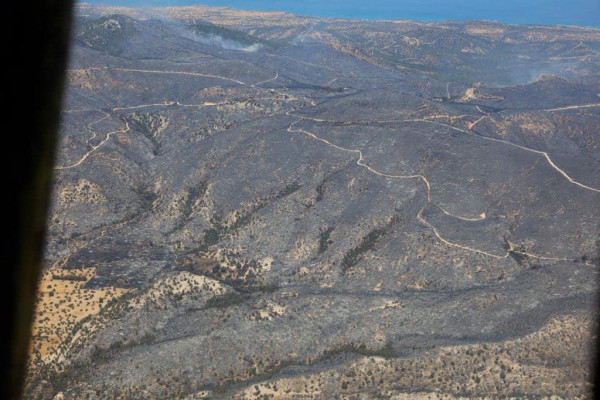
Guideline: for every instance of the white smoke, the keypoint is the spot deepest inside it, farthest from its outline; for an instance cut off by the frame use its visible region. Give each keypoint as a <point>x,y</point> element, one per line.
<point>227,44</point>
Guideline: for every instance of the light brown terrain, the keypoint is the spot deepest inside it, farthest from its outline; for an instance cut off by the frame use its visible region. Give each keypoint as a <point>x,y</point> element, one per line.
<point>62,302</point>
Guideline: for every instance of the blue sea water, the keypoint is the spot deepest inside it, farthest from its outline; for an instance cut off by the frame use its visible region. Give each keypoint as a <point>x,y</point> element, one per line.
<point>547,12</point>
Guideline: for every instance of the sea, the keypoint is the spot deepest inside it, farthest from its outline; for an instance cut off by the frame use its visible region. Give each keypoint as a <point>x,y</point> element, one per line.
<point>538,12</point>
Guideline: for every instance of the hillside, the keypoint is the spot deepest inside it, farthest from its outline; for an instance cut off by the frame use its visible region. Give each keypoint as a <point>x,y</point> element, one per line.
<point>261,205</point>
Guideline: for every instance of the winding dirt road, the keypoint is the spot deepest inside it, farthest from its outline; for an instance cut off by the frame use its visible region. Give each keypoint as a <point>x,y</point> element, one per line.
<point>361,162</point>
<point>268,80</point>
<point>185,73</point>
<point>470,133</point>
<point>94,148</point>
<point>572,107</point>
